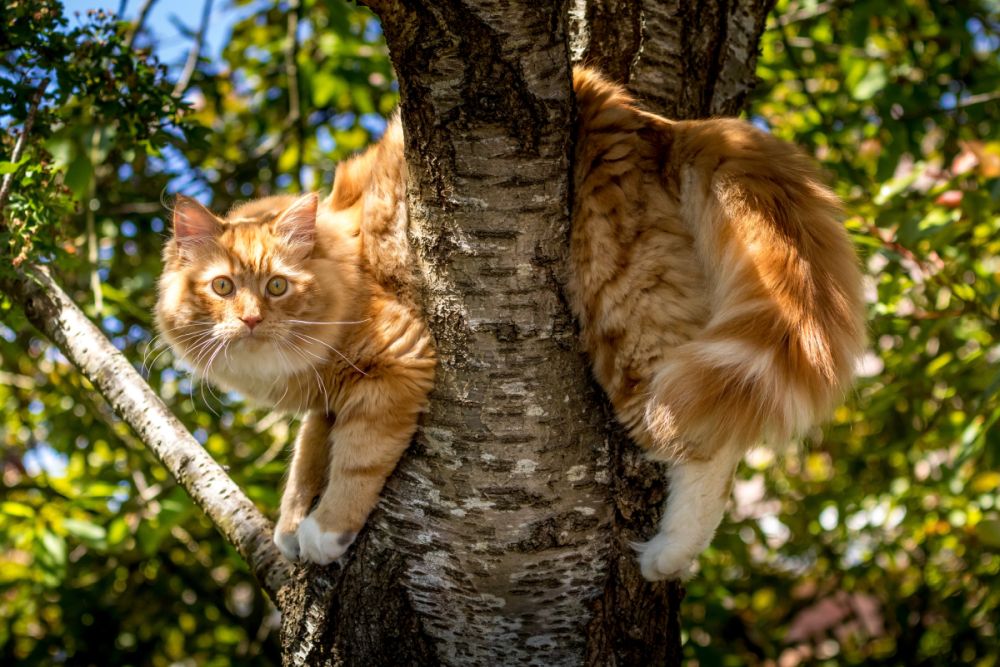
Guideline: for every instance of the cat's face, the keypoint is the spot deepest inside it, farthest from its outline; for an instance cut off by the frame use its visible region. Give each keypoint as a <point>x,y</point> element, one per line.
<point>239,297</point>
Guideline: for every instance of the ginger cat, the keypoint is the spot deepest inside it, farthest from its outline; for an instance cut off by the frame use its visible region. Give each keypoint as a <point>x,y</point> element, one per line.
<point>308,308</point>
<point>718,296</point>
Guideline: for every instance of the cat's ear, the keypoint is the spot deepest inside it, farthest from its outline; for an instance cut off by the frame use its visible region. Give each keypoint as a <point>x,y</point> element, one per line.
<point>297,223</point>
<point>193,222</point>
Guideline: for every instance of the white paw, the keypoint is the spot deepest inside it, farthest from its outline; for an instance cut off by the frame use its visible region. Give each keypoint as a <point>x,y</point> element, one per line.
<point>319,546</point>
<point>287,543</point>
<point>665,558</point>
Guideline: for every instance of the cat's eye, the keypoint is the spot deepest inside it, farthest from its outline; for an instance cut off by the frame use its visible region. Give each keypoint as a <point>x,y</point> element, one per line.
<point>277,286</point>
<point>222,286</point>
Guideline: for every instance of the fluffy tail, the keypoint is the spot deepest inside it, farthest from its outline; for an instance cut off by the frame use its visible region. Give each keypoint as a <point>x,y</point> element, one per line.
<point>786,323</point>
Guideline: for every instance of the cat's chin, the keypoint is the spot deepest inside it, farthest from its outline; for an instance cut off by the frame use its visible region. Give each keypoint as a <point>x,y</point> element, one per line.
<point>254,367</point>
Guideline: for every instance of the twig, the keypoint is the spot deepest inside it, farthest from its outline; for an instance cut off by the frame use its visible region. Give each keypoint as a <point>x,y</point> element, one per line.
<point>192,60</point>
<point>292,72</point>
<point>806,14</point>
<point>8,179</point>
<point>142,207</point>
<point>92,251</point>
<point>856,174</point>
<point>139,22</point>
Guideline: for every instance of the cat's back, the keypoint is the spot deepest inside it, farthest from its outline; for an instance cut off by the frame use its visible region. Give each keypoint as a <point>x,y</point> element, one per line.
<point>635,282</point>
<point>370,190</point>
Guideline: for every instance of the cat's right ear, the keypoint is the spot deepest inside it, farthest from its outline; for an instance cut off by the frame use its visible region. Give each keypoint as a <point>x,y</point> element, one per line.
<point>193,222</point>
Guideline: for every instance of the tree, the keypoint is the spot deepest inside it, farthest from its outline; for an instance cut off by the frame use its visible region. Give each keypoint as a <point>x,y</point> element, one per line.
<point>554,492</point>
<point>876,545</point>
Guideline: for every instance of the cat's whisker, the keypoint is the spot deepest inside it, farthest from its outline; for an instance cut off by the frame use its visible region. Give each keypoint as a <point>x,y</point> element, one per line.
<point>205,348</point>
<point>301,394</point>
<point>319,381</point>
<point>367,319</point>
<point>180,339</point>
<point>327,345</point>
<point>284,359</point>
<point>223,345</point>
<point>152,363</point>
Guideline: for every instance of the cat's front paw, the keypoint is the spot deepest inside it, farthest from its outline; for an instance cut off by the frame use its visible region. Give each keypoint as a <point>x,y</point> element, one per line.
<point>320,546</point>
<point>287,543</point>
<point>663,558</point>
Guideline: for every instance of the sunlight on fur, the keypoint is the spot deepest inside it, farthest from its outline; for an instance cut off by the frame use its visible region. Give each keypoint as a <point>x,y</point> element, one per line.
<point>718,296</point>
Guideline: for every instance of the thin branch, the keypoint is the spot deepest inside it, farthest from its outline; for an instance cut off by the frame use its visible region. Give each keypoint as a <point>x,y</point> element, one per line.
<point>8,179</point>
<point>92,251</point>
<point>141,208</point>
<point>292,72</point>
<point>806,14</point>
<point>195,53</point>
<point>52,311</point>
<point>139,23</point>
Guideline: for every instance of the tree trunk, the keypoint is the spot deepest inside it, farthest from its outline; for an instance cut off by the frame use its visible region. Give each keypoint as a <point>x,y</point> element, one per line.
<point>503,536</point>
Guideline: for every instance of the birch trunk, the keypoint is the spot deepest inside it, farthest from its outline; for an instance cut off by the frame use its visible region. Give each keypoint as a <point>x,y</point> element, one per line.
<point>503,537</point>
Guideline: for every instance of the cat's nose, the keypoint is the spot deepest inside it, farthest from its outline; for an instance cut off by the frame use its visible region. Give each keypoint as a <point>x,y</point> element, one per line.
<point>251,320</point>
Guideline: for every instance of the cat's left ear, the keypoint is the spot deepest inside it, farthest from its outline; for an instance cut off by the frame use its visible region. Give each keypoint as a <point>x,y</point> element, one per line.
<point>297,224</point>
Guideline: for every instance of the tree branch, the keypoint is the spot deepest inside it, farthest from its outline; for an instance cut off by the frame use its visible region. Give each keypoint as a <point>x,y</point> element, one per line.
<point>8,179</point>
<point>292,72</point>
<point>51,310</point>
<point>192,60</point>
<point>140,21</point>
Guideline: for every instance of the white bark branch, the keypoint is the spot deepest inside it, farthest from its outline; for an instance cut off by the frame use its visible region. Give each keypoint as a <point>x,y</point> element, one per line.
<point>50,309</point>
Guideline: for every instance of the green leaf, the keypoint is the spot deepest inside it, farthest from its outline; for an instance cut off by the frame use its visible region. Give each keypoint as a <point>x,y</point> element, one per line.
<point>871,83</point>
<point>11,167</point>
<point>86,531</point>
<point>53,550</point>
<point>78,175</point>
<point>11,508</point>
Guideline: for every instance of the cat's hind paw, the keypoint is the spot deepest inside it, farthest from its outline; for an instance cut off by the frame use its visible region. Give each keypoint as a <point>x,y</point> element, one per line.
<point>319,546</point>
<point>664,558</point>
<point>287,543</point>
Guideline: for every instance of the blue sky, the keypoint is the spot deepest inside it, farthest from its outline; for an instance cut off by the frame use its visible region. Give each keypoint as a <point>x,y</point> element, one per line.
<point>171,45</point>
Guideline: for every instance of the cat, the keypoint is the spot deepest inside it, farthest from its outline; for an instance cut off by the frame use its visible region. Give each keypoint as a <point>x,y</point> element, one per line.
<point>718,298</point>
<point>310,308</point>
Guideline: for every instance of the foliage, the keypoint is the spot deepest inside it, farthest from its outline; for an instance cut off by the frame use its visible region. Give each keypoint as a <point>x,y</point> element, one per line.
<point>103,559</point>
<point>878,543</point>
<point>95,93</point>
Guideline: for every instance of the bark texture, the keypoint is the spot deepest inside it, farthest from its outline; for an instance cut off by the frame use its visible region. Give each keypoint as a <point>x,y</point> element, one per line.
<point>51,310</point>
<point>503,538</point>
<point>682,60</point>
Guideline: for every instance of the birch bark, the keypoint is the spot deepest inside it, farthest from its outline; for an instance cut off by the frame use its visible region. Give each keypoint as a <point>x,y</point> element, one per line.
<point>503,536</point>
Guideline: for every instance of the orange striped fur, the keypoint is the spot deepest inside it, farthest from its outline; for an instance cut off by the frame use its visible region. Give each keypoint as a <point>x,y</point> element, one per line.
<point>718,296</point>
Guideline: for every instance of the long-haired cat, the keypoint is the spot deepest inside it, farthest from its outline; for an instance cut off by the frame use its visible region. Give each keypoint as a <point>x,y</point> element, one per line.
<point>718,298</point>
<point>308,308</point>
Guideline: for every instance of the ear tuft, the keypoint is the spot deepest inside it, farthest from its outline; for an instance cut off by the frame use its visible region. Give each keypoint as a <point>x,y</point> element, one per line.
<point>192,221</point>
<point>297,224</point>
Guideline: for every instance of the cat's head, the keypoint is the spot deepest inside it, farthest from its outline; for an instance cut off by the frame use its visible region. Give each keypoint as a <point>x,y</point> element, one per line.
<point>245,297</point>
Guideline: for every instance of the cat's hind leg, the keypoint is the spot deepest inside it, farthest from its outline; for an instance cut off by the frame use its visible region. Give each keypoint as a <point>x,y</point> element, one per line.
<point>696,501</point>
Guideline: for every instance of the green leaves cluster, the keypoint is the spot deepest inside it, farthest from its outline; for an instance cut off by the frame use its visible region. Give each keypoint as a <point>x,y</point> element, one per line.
<point>96,97</point>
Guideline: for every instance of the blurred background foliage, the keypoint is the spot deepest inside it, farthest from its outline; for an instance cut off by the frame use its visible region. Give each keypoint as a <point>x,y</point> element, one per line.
<point>876,542</point>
